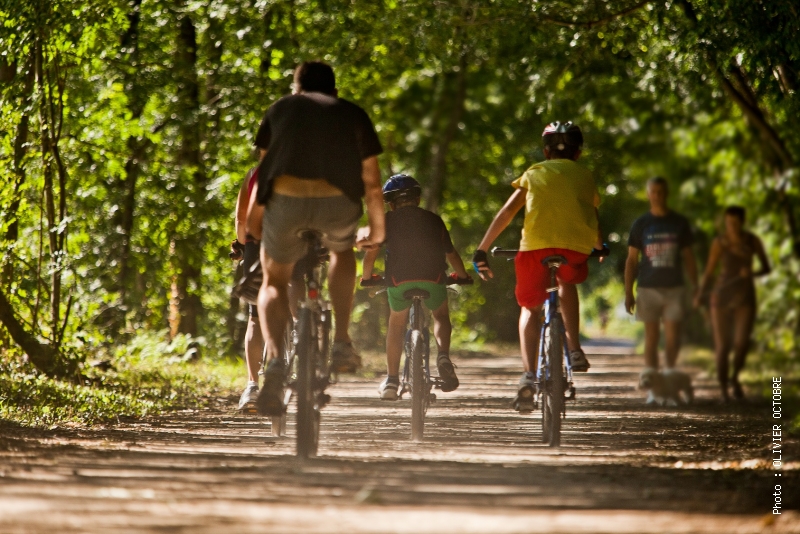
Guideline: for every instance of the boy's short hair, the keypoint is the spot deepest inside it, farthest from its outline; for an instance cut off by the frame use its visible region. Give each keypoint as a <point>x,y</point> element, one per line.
<point>736,211</point>
<point>658,180</point>
<point>315,76</point>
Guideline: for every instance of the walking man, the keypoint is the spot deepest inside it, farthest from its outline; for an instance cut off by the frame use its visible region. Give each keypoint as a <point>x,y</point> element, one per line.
<point>659,248</point>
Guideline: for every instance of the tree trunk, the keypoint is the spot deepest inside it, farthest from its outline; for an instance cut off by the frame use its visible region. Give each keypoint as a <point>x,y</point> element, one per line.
<point>438,176</point>
<point>186,257</point>
<point>137,99</point>
<point>43,356</point>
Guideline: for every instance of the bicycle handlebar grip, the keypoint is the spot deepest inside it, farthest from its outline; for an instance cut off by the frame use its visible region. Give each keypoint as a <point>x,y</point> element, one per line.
<point>498,252</point>
<point>452,279</point>
<point>602,253</point>
<point>375,281</point>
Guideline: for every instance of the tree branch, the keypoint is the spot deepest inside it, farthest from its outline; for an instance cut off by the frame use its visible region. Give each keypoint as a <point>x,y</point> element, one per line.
<point>599,22</point>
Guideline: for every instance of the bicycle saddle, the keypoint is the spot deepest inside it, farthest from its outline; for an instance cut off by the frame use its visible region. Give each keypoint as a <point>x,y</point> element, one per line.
<point>310,235</point>
<point>411,294</point>
<point>556,259</point>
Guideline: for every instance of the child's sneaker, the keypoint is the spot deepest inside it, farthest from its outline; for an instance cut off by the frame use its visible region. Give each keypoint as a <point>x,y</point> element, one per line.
<point>247,402</point>
<point>578,361</point>
<point>524,401</point>
<point>447,372</point>
<point>388,388</point>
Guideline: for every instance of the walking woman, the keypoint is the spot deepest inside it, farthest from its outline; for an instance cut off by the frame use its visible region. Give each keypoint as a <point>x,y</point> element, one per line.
<point>733,298</point>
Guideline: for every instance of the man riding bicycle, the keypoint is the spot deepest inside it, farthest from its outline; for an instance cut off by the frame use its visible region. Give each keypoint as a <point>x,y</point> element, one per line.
<point>561,218</point>
<point>418,249</point>
<point>319,159</point>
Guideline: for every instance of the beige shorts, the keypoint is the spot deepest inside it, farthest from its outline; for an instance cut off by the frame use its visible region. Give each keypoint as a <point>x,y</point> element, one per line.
<point>656,303</point>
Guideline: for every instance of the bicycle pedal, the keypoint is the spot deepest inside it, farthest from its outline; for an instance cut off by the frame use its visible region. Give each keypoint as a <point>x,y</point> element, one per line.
<point>249,410</point>
<point>431,397</point>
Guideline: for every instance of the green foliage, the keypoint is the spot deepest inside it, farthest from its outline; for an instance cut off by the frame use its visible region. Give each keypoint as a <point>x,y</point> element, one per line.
<point>156,104</point>
<point>146,377</point>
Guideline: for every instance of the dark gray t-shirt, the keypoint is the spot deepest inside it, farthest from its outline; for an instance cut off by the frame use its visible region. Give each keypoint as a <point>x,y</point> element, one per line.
<point>314,135</point>
<point>417,242</point>
<point>661,240</point>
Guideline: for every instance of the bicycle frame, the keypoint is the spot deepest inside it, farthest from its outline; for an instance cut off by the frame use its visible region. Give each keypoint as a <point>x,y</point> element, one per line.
<point>417,320</point>
<point>551,307</point>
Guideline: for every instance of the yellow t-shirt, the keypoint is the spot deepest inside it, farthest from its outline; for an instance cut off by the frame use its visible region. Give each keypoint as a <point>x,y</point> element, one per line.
<point>559,206</point>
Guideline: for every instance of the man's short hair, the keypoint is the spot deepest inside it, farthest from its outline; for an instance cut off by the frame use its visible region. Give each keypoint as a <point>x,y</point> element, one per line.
<point>658,180</point>
<point>736,211</point>
<point>315,76</point>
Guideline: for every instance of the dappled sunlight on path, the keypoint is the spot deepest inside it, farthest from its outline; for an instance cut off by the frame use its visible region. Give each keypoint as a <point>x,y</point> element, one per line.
<point>622,467</point>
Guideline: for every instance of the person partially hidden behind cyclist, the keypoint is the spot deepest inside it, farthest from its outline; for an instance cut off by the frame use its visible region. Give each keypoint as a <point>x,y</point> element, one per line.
<point>246,248</point>
<point>319,159</point>
<point>418,249</point>
<point>560,199</point>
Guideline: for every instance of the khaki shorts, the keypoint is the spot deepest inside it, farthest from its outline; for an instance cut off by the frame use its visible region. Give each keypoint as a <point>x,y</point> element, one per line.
<point>286,218</point>
<point>656,303</point>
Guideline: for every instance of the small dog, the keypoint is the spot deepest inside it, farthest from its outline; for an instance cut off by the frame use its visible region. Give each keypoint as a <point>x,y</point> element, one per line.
<point>670,388</point>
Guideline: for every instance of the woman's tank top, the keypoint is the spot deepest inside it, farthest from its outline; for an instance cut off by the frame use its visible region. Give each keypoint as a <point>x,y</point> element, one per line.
<point>732,289</point>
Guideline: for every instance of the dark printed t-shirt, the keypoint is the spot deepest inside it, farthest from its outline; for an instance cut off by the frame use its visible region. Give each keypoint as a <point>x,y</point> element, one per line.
<point>661,240</point>
<point>314,135</point>
<point>417,241</point>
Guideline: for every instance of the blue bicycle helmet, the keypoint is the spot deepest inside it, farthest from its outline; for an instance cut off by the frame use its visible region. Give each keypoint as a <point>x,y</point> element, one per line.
<point>401,186</point>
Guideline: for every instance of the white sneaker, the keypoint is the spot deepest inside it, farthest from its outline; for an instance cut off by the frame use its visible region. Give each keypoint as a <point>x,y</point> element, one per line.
<point>247,402</point>
<point>578,361</point>
<point>388,388</point>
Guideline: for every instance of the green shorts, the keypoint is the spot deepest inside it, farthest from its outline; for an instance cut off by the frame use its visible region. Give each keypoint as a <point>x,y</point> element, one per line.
<point>397,303</point>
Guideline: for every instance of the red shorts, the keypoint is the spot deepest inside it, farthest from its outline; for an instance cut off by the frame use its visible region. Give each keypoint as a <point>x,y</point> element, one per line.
<point>533,278</point>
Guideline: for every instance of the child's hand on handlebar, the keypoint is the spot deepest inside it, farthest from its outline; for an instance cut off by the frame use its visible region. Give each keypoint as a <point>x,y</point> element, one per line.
<point>372,281</point>
<point>480,262</point>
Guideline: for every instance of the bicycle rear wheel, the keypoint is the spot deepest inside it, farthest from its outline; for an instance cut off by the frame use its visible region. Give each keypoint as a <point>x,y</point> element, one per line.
<point>415,350</point>
<point>553,395</point>
<point>307,411</point>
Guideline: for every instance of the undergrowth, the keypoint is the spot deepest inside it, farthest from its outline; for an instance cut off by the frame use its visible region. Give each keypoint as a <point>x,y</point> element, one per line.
<point>147,377</point>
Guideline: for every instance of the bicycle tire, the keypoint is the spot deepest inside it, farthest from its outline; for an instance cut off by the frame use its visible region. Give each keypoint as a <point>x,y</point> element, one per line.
<point>307,413</point>
<point>543,384</point>
<point>415,350</point>
<point>554,388</point>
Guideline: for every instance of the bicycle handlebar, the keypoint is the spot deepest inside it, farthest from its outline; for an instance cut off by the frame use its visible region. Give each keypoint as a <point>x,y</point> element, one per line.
<point>498,252</point>
<point>379,281</point>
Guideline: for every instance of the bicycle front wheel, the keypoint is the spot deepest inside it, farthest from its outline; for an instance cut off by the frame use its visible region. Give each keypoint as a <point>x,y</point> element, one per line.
<point>553,394</point>
<point>415,350</point>
<point>307,411</point>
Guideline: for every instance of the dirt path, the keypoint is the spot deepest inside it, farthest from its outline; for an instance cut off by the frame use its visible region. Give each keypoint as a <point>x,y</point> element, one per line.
<point>621,468</point>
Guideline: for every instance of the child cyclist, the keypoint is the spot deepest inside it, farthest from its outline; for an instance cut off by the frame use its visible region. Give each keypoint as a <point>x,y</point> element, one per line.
<point>560,199</point>
<point>418,248</point>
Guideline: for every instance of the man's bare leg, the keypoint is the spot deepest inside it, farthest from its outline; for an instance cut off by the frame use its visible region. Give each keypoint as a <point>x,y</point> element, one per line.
<point>529,331</point>
<point>652,332</point>
<point>570,311</point>
<point>273,314</point>
<point>342,284</point>
<point>672,342</point>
